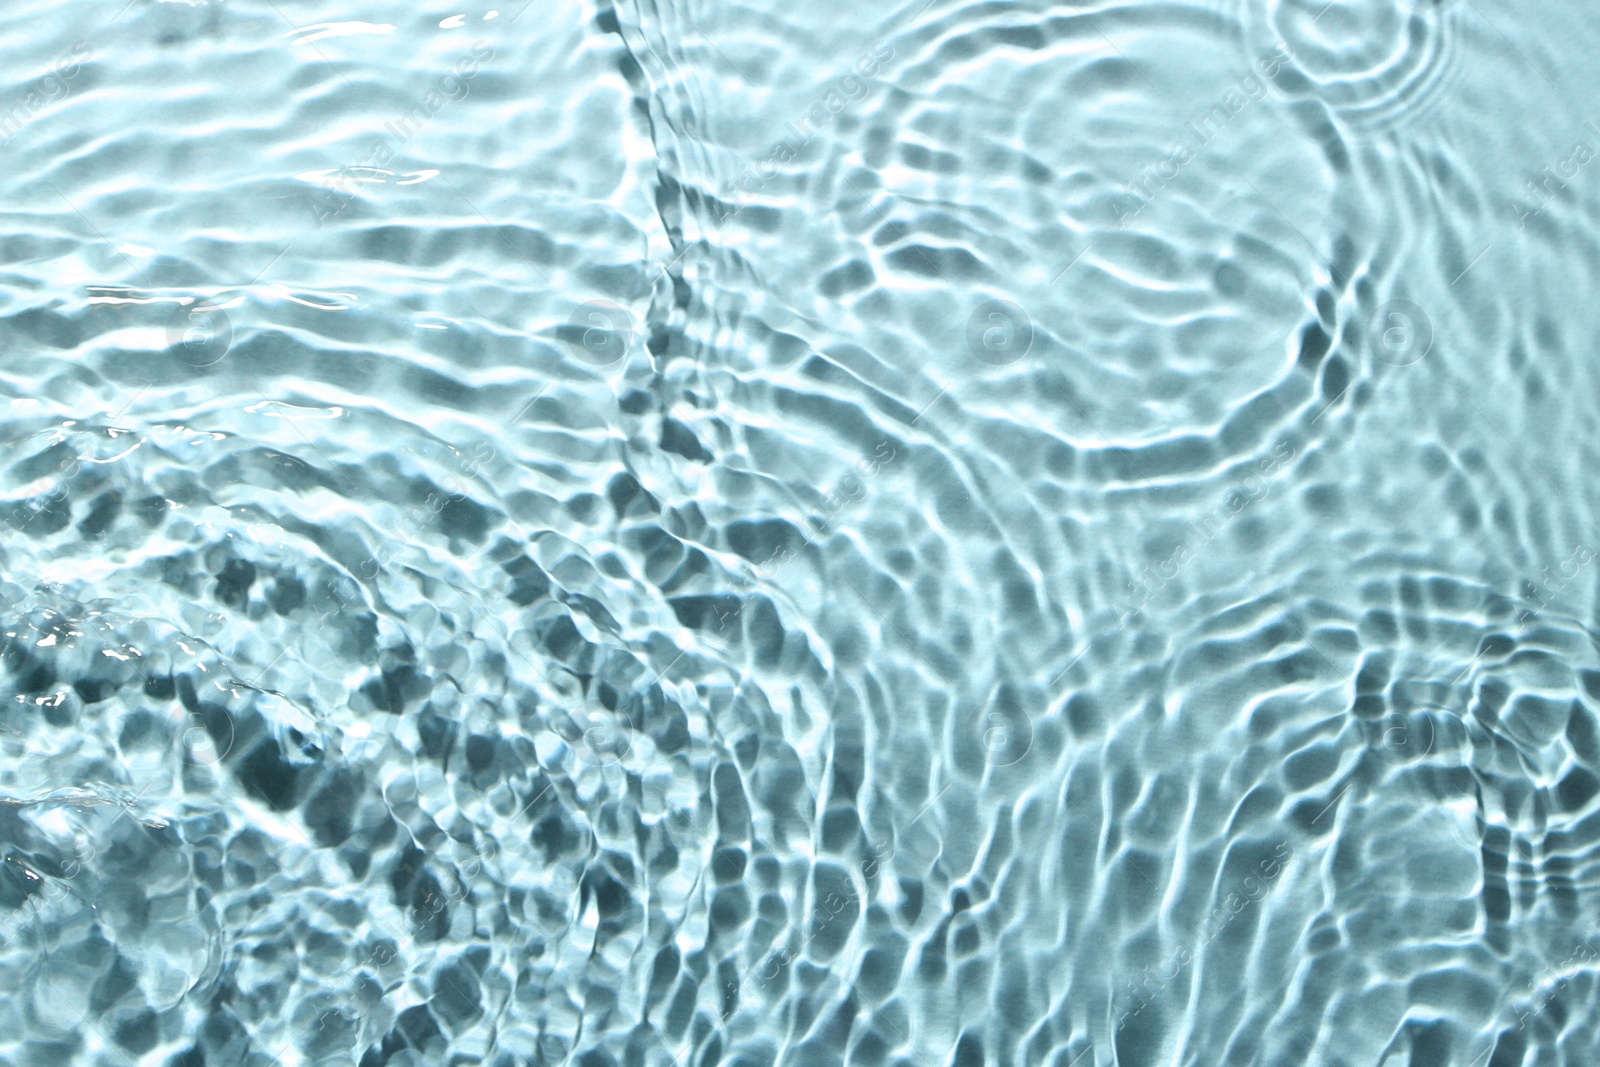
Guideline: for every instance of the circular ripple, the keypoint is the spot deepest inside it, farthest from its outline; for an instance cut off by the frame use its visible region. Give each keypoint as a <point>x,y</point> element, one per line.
<point>1374,62</point>
<point>1155,235</point>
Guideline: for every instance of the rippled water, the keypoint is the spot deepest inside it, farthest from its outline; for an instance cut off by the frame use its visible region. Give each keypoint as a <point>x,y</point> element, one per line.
<point>967,533</point>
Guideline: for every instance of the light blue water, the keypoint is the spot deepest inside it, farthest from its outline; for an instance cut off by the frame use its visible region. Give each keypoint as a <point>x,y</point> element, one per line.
<point>949,534</point>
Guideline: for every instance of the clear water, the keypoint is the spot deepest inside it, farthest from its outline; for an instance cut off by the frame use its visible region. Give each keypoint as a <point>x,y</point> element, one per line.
<point>718,533</point>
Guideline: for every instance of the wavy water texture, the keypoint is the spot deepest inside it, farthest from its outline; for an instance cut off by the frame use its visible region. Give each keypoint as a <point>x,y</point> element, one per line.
<point>974,533</point>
